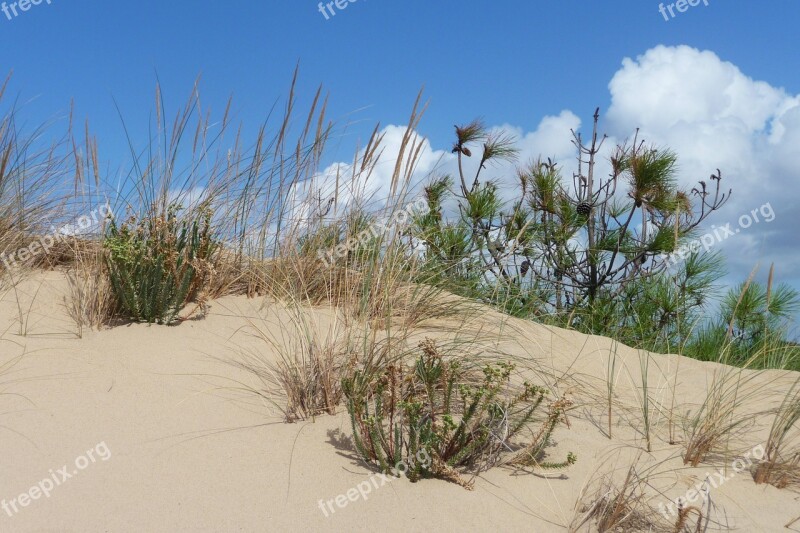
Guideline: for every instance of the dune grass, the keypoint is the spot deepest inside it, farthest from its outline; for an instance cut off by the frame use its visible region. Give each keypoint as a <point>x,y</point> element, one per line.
<point>625,497</point>
<point>781,463</point>
<point>33,173</point>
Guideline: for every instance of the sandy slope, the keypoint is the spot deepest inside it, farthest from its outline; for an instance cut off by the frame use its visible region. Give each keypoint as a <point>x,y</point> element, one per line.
<point>188,452</point>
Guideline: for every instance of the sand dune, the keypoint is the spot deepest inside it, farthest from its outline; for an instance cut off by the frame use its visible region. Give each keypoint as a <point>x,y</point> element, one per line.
<point>176,445</point>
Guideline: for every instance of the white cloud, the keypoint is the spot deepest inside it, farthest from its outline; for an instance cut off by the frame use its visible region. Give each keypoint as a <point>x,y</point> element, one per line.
<point>669,85</point>
<point>552,137</point>
<point>345,183</point>
<point>715,116</point>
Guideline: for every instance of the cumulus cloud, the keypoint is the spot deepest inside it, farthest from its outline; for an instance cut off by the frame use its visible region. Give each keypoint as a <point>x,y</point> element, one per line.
<point>715,116</point>
<point>667,86</point>
<point>344,184</point>
<point>552,137</point>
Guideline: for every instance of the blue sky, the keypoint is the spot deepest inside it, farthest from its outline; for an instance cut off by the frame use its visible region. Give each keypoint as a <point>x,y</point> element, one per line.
<point>718,83</point>
<point>508,61</point>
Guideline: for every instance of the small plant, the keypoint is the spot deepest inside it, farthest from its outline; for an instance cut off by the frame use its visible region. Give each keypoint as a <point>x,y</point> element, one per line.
<point>156,263</point>
<point>31,186</point>
<point>617,504</point>
<point>617,508</point>
<point>90,301</point>
<point>462,417</point>
<point>752,327</point>
<point>716,420</point>
<point>781,464</point>
<point>301,373</point>
<point>644,398</point>
<point>611,381</point>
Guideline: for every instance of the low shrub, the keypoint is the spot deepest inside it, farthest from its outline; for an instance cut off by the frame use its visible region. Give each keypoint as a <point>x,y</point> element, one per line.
<point>156,263</point>
<point>464,417</point>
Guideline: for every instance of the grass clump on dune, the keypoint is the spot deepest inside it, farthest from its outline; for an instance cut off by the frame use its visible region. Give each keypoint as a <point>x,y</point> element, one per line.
<point>781,463</point>
<point>32,171</point>
<point>204,212</point>
<point>304,380</point>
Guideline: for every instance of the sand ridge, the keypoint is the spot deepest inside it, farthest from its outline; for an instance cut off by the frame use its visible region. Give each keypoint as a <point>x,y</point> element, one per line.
<point>189,451</point>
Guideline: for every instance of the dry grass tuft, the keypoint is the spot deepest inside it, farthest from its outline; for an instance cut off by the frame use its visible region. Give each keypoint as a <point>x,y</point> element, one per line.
<point>32,173</point>
<point>301,373</point>
<point>620,506</point>
<point>90,302</point>
<point>636,502</point>
<point>719,419</point>
<point>781,463</point>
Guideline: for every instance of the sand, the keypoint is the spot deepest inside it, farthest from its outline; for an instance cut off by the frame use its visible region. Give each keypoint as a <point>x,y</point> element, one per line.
<point>177,445</point>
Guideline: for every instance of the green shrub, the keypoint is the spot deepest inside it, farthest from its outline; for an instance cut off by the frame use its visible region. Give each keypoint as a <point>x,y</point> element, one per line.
<point>548,247</point>
<point>462,419</point>
<point>157,264</point>
<point>751,328</point>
